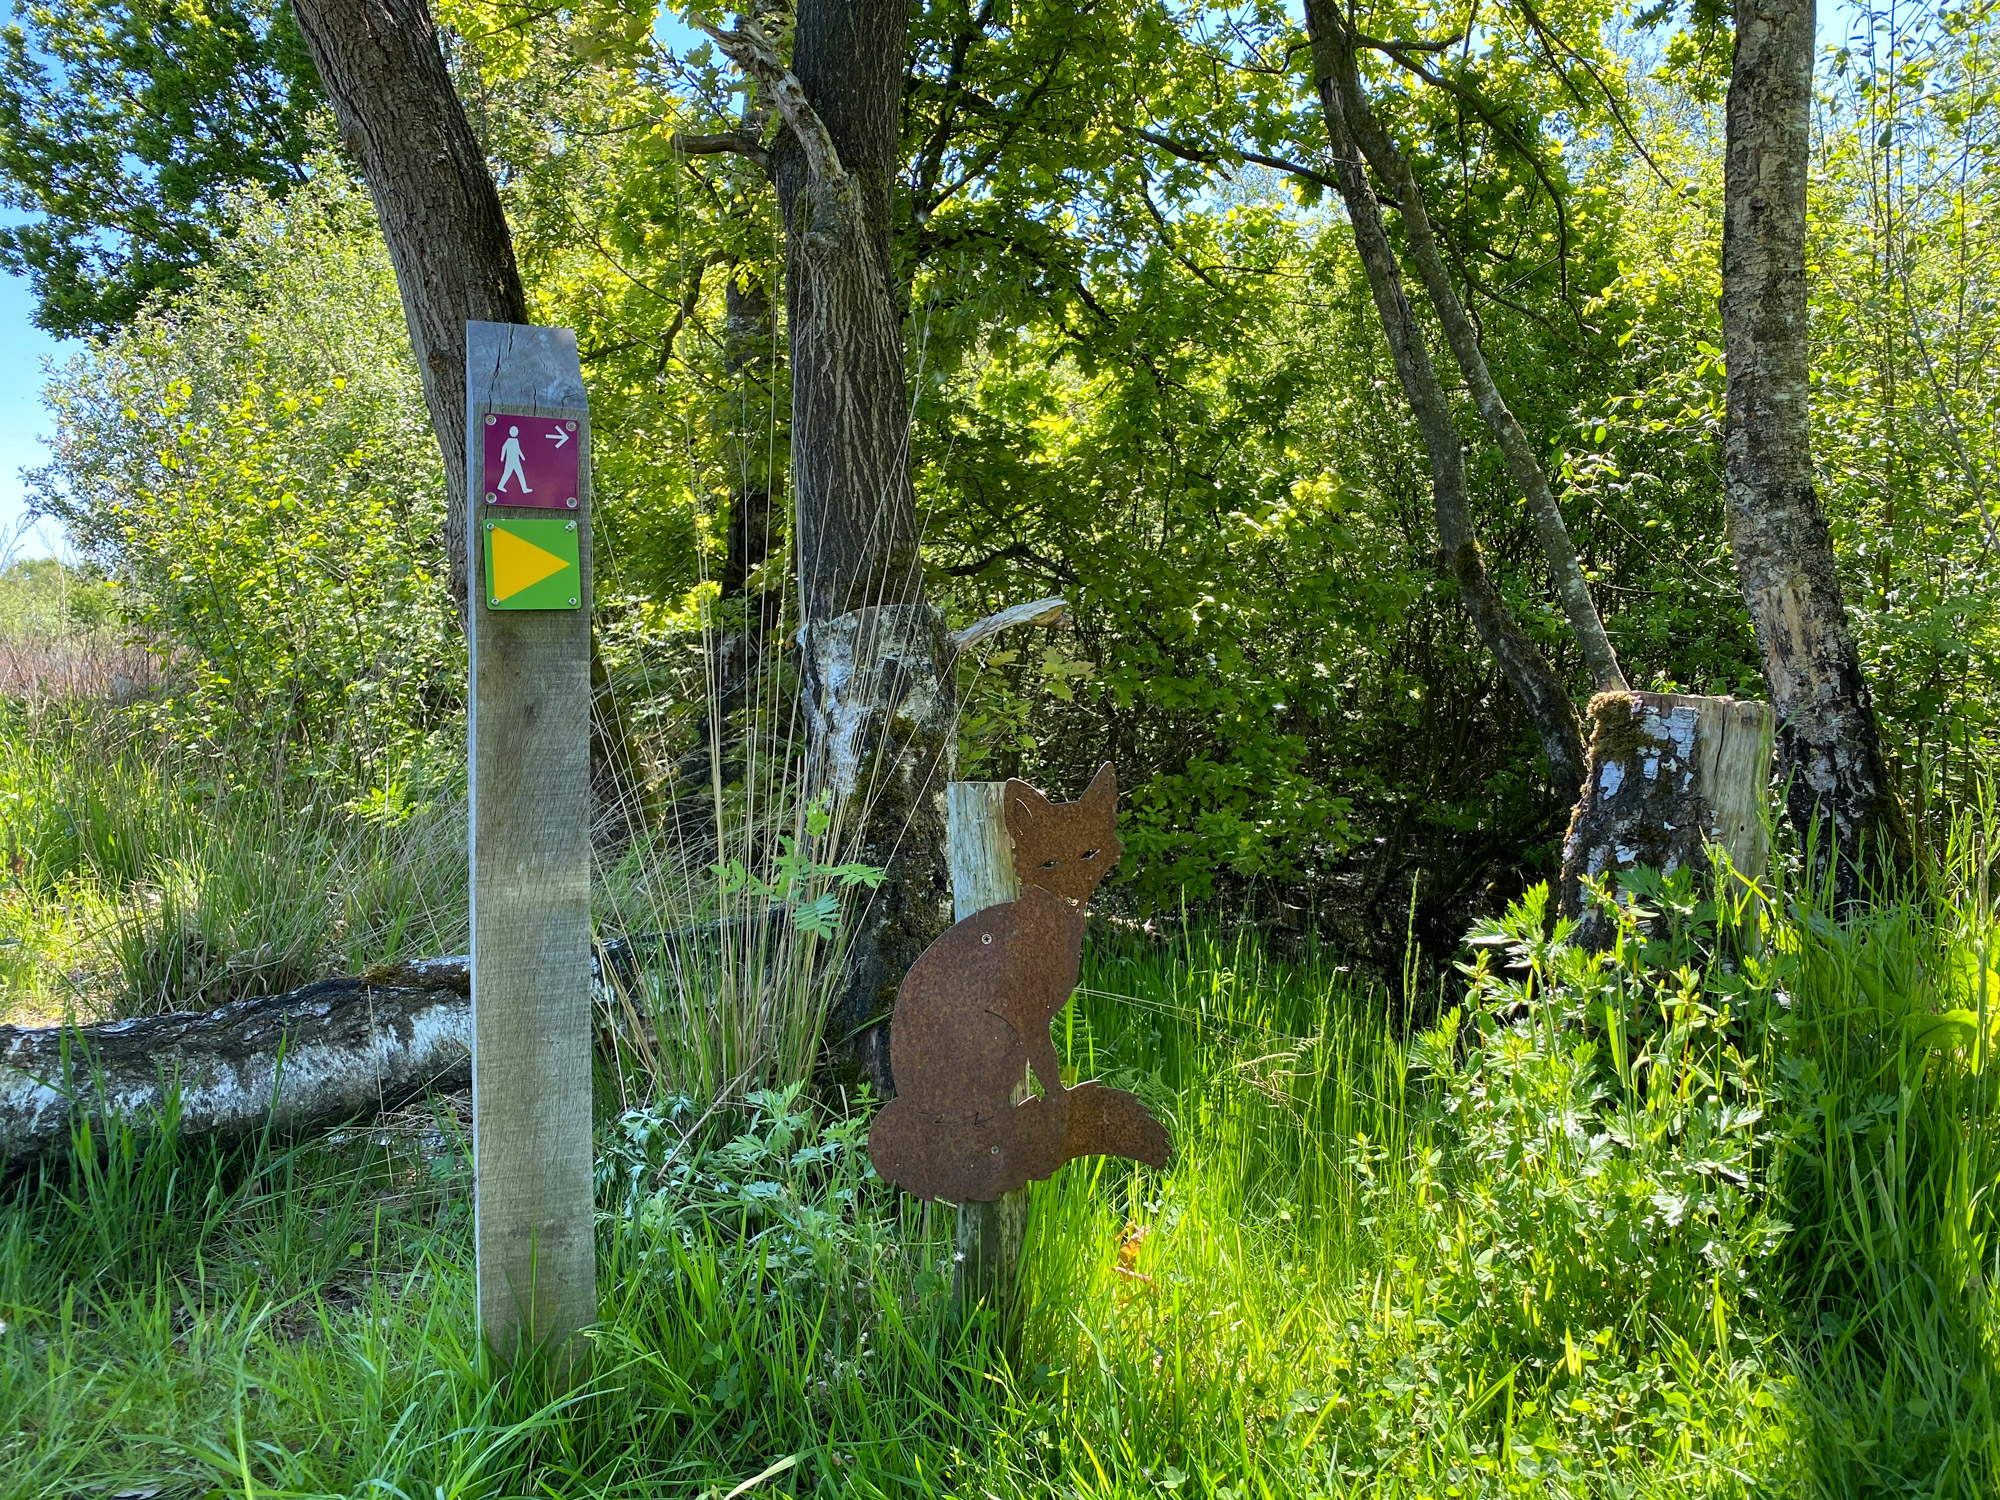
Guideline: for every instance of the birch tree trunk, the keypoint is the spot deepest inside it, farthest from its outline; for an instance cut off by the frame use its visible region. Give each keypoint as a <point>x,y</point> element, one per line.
<point>880,712</point>
<point>1829,746</point>
<point>1670,775</point>
<point>291,1064</point>
<point>1527,670</point>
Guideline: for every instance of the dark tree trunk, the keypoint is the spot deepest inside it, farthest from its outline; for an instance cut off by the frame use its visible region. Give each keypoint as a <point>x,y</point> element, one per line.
<point>399,114</point>
<point>1527,670</point>
<point>857,514</point>
<point>1829,745</point>
<point>880,715</point>
<point>749,357</point>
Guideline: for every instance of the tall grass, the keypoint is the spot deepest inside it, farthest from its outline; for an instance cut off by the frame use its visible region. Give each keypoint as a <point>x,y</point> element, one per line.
<point>1712,1217</point>
<point>139,880</point>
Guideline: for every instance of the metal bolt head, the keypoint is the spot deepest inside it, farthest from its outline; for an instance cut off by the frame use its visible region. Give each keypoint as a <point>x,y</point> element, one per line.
<point>572,601</point>
<point>572,502</point>
<point>492,499</point>
<point>490,419</point>
<point>489,524</point>
<point>570,527</point>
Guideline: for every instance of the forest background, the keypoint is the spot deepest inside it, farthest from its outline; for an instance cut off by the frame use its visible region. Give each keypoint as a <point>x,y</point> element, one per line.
<point>1150,383</point>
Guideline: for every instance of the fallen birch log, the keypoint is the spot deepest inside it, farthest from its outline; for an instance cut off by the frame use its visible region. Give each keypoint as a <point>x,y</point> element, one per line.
<point>334,1051</point>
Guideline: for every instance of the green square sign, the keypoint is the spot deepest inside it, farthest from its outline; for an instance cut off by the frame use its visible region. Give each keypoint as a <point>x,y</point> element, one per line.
<point>532,564</point>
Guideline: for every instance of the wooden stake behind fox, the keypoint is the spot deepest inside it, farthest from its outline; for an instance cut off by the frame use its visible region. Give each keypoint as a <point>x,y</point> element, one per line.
<point>972,1022</point>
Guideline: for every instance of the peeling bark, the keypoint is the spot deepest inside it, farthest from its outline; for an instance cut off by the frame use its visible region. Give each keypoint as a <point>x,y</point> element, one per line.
<point>1669,775</point>
<point>335,1051</point>
<point>1526,669</point>
<point>881,727</point>
<point>1829,745</point>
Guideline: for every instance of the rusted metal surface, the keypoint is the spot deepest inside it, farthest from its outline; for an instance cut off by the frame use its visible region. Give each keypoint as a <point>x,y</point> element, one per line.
<point>972,1022</point>
<point>1065,847</point>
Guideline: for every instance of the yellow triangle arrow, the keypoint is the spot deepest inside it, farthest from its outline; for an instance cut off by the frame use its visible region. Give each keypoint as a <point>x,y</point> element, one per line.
<point>519,564</point>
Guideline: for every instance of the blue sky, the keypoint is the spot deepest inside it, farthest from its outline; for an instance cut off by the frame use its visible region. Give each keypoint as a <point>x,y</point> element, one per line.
<point>23,419</point>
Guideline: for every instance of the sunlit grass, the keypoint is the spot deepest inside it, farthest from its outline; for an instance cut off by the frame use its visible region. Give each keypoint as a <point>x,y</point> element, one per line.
<point>1385,1260</point>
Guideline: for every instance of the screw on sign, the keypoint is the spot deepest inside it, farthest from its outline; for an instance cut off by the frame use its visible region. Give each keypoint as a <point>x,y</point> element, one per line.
<point>530,460</point>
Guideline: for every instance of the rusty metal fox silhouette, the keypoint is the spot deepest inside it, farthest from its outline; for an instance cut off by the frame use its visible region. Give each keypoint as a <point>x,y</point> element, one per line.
<point>972,1022</point>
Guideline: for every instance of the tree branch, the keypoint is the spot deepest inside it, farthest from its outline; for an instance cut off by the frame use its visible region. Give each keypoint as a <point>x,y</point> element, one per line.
<point>752,51</point>
<point>733,143</point>
<point>1214,158</point>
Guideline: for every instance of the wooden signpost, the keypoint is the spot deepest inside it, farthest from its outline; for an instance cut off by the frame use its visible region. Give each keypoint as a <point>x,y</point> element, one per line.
<point>528,624</point>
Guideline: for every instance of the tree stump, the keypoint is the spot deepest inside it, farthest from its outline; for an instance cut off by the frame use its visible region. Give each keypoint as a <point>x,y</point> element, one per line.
<point>990,1235</point>
<point>1668,774</point>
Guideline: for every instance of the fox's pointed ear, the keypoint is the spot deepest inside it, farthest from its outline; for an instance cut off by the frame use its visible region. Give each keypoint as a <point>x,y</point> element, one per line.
<point>1021,803</point>
<point>1102,793</point>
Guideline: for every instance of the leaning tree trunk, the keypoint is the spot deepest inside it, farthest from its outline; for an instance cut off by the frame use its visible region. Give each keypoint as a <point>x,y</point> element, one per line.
<point>873,652</point>
<point>1565,571</point>
<point>1527,670</point>
<point>447,235</point>
<point>1829,746</point>
<point>335,1051</point>
<point>399,113</point>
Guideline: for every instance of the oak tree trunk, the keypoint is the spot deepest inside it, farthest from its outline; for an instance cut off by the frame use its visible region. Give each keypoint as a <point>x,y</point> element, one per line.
<point>384,71</point>
<point>880,712</point>
<point>1527,670</point>
<point>1829,746</point>
<point>400,116</point>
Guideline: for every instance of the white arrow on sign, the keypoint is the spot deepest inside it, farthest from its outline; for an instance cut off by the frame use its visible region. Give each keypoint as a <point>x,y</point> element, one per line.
<point>560,436</point>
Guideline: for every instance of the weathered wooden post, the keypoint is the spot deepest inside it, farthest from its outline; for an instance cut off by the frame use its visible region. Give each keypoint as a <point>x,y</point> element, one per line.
<point>990,1235</point>
<point>1668,773</point>
<point>528,627</point>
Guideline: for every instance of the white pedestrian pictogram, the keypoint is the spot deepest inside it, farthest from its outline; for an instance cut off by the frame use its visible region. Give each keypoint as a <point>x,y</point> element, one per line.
<point>510,462</point>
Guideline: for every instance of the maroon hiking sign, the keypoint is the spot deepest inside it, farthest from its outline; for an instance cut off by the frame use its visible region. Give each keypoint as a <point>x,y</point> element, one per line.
<point>527,460</point>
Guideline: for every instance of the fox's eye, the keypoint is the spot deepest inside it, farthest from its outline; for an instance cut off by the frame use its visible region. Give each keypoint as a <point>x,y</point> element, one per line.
<point>1089,854</point>
<point>1049,864</point>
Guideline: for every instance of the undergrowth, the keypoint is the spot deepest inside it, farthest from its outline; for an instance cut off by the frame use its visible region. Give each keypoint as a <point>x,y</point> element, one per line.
<point>1710,1214</point>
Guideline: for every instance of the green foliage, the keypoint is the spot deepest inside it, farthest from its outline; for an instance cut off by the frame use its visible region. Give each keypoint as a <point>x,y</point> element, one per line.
<point>126,131</point>
<point>1700,1217</point>
<point>43,598</point>
<point>251,463</point>
<point>1606,1125</point>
